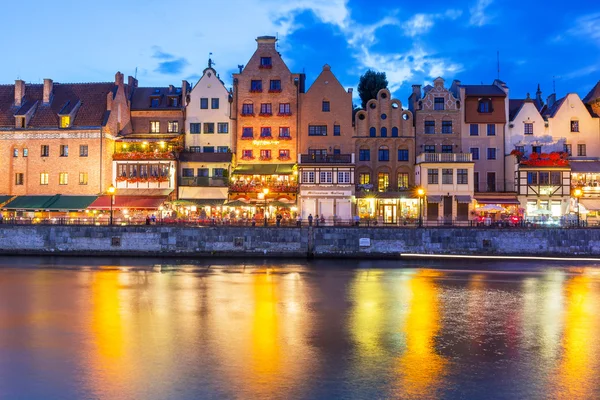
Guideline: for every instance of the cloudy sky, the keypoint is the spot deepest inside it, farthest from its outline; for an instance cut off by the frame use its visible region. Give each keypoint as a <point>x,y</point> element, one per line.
<point>412,41</point>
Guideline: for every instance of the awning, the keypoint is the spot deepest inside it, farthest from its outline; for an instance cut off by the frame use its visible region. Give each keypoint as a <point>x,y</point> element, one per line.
<point>238,203</point>
<point>590,204</point>
<point>463,199</point>
<point>585,167</point>
<point>498,200</point>
<point>30,203</point>
<point>200,202</point>
<point>434,199</point>
<point>134,202</point>
<point>264,169</point>
<point>279,204</point>
<point>71,203</point>
<point>4,198</point>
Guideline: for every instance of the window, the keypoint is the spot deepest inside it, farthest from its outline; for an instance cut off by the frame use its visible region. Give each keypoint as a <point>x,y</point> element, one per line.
<point>247,132</point>
<point>446,148</point>
<point>265,154</point>
<point>308,177</point>
<point>438,103</point>
<point>204,103</point>
<point>337,151</point>
<point>63,178</point>
<point>154,101</point>
<point>447,176</point>
<point>317,130</point>
<point>528,128</point>
<point>476,181</point>
<point>222,149</point>
<point>336,130</point>
<point>214,103</point>
<point>432,176</point>
<point>208,149</point>
<point>581,150</point>
<point>574,126</point>
<point>383,132</point>
<point>544,178</point>
<point>485,106</point>
<point>364,155</point>
<point>520,149</point>
<point>154,127</point>
<point>284,154</point>
<point>532,178</point>
<point>256,86</point>
<point>491,182</point>
<point>265,132</point>
<point>343,177</point>
<point>65,121</point>
<point>555,178</point>
<point>364,178</point>
<point>372,132</point>
<point>568,149</point>
<point>195,127</point>
<point>218,172</point>
<point>223,127</point>
<point>325,106</point>
<point>64,150</point>
<point>491,129</point>
<point>474,130</point>
<point>474,153</point>
<point>275,85</point>
<point>247,109</point>
<point>326,177</point>
<point>429,127</point>
<point>383,181</point>
<point>394,132</point>
<point>209,127</point>
<point>187,172</point>
<point>491,153</point>
<point>265,109</point>
<point>284,132</point>
<point>384,154</point>
<point>284,108</point>
<point>173,127</point>
<point>15,152</point>
<point>173,101</point>
<point>25,152</point>
<point>536,149</point>
<point>429,148</point>
<point>446,126</point>
<point>195,149</point>
<point>317,152</point>
<point>462,176</point>
<point>402,154</point>
<point>45,150</point>
<point>247,154</point>
<point>19,178</point>
<point>44,178</point>
<point>202,172</point>
<point>265,62</point>
<point>402,180</point>
<point>83,178</point>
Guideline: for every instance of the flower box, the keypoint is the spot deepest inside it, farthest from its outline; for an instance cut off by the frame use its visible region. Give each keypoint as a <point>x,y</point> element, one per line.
<point>270,66</point>
<point>284,114</point>
<point>261,158</point>
<point>284,158</point>
<point>247,158</point>
<point>274,90</point>
<point>266,114</point>
<point>121,178</point>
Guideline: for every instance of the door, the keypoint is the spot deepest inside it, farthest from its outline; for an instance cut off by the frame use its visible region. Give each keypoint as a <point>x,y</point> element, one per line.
<point>447,210</point>
<point>389,214</point>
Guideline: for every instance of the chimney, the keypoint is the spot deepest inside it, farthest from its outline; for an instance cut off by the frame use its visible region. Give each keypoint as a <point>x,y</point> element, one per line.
<point>19,92</point>
<point>171,88</point>
<point>350,90</point>
<point>417,92</point>
<point>132,82</point>
<point>551,100</point>
<point>266,42</point>
<point>48,85</point>
<point>119,79</point>
<point>184,89</point>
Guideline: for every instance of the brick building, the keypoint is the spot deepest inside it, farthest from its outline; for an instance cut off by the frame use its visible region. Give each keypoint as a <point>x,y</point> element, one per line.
<point>57,139</point>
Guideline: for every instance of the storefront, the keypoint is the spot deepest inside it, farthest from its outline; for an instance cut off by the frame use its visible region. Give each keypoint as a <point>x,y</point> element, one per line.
<point>327,203</point>
<point>388,210</point>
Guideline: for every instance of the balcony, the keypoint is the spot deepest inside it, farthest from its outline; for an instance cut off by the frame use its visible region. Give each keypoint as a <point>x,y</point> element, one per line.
<point>326,159</point>
<point>257,187</point>
<point>444,158</point>
<point>204,181</point>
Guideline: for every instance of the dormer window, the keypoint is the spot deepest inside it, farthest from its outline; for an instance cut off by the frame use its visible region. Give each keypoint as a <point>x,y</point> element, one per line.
<point>265,63</point>
<point>173,102</point>
<point>485,106</point>
<point>154,102</point>
<point>65,121</point>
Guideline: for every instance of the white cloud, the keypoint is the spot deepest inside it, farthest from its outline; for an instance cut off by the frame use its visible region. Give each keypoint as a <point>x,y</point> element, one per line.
<point>478,13</point>
<point>420,24</point>
<point>587,27</point>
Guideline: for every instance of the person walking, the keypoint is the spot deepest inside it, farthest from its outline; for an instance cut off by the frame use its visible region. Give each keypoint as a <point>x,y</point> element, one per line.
<point>310,219</point>
<point>278,219</point>
<point>317,219</point>
<point>298,221</point>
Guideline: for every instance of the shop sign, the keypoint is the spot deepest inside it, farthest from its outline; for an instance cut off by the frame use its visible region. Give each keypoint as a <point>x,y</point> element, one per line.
<point>332,193</point>
<point>364,242</point>
<point>264,142</point>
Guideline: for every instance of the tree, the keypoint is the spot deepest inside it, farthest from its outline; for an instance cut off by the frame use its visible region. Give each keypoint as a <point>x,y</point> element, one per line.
<point>370,83</point>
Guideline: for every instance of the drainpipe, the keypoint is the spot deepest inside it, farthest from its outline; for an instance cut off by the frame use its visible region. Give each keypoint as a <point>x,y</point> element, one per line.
<point>101,157</point>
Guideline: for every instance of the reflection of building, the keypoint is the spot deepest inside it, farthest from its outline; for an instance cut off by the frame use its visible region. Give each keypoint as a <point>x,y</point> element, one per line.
<point>448,183</point>
<point>385,143</point>
<point>326,161</point>
<point>205,163</point>
<point>265,107</point>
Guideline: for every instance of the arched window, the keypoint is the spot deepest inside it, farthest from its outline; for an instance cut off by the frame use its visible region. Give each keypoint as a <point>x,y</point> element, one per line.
<point>485,106</point>
<point>394,132</point>
<point>384,153</point>
<point>372,132</point>
<point>384,132</point>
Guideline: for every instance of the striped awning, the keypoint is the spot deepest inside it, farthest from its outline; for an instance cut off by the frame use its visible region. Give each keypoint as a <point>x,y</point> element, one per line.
<point>130,202</point>
<point>463,199</point>
<point>434,199</point>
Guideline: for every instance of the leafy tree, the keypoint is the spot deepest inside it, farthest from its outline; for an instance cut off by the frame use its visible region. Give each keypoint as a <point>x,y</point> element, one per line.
<point>370,83</point>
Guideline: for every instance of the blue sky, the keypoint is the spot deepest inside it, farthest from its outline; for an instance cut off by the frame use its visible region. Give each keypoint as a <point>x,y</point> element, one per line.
<point>413,42</point>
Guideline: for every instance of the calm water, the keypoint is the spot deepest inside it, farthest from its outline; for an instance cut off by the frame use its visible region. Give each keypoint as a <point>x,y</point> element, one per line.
<point>124,329</point>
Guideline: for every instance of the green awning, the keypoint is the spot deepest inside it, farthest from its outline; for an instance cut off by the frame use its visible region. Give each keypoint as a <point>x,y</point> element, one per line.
<point>238,203</point>
<point>30,203</point>
<point>264,169</point>
<point>4,199</point>
<point>71,203</point>
<point>280,204</point>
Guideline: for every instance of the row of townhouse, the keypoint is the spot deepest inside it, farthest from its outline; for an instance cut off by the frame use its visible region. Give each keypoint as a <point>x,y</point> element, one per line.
<point>268,143</point>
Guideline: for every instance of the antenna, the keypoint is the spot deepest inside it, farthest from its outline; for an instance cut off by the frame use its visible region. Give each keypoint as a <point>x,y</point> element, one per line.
<point>135,74</point>
<point>498,61</point>
<point>277,41</point>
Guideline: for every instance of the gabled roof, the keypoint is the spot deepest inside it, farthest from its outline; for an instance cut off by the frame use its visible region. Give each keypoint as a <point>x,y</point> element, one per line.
<point>141,99</point>
<point>550,112</point>
<point>484,90</point>
<point>514,106</point>
<point>594,94</point>
<point>91,112</point>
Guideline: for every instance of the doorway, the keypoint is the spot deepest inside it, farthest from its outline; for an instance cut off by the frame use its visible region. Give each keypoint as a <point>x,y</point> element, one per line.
<point>447,210</point>
<point>389,214</point>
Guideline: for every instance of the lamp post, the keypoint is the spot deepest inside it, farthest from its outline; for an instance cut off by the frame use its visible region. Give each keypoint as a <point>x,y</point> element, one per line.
<point>160,214</point>
<point>265,193</point>
<point>420,193</point>
<point>111,191</point>
<point>577,193</point>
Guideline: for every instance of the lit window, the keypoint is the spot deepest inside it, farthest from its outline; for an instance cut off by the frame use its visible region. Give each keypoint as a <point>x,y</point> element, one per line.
<point>15,152</point>
<point>265,154</point>
<point>44,178</point>
<point>173,127</point>
<point>403,180</point>
<point>364,178</point>
<point>25,152</point>
<point>63,178</point>
<point>19,178</point>
<point>154,127</point>
<point>83,178</point>
<point>65,121</point>
<point>383,181</point>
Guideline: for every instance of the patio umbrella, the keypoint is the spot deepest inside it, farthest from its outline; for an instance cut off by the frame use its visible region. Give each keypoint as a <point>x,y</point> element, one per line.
<point>491,208</point>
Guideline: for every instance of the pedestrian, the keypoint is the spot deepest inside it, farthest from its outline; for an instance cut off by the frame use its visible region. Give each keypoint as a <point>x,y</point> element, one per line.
<point>153,219</point>
<point>298,221</point>
<point>310,219</point>
<point>356,220</point>
<point>317,219</point>
<point>147,220</point>
<point>278,219</point>
<point>254,220</point>
<point>322,220</point>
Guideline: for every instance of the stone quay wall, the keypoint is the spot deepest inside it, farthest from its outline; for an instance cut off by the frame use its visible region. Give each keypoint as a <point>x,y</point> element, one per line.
<point>321,242</point>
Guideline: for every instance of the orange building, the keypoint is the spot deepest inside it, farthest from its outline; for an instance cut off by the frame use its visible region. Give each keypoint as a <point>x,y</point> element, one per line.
<point>265,114</point>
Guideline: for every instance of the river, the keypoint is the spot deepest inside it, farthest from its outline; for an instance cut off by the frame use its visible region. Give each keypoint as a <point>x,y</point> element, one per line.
<point>152,329</point>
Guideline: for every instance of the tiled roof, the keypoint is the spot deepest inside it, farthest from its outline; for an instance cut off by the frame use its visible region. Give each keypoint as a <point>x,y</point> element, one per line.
<point>514,106</point>
<point>484,90</point>
<point>594,94</point>
<point>142,97</point>
<point>91,112</point>
<point>549,112</point>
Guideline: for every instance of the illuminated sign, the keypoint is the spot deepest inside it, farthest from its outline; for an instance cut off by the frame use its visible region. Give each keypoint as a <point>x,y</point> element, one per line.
<point>265,142</point>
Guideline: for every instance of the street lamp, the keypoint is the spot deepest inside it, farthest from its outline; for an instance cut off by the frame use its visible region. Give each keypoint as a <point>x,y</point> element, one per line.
<point>420,193</point>
<point>111,191</point>
<point>265,193</point>
<point>577,193</point>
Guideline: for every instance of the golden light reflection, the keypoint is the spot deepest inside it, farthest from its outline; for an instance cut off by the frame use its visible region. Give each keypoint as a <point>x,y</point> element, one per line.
<point>368,315</point>
<point>420,368</point>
